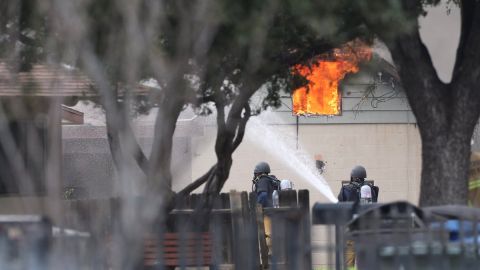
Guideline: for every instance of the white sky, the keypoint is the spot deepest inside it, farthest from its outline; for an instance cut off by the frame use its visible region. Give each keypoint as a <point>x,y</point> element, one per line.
<point>441,32</point>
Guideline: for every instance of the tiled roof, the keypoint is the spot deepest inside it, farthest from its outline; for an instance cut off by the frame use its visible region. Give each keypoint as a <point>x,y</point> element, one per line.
<point>44,80</point>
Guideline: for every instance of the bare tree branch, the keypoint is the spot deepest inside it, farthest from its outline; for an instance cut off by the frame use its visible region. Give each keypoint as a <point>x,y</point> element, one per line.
<point>159,174</point>
<point>138,153</point>
<point>114,144</point>
<point>221,128</point>
<point>200,181</point>
<point>118,128</point>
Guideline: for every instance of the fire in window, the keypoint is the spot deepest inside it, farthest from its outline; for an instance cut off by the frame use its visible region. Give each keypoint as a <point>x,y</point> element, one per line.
<point>322,95</point>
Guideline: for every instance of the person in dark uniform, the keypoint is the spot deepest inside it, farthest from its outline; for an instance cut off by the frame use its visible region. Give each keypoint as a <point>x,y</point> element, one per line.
<point>351,193</point>
<point>264,184</point>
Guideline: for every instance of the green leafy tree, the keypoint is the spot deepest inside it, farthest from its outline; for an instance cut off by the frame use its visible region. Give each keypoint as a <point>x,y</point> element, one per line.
<point>229,50</point>
<point>23,30</point>
<point>247,45</point>
<point>446,113</point>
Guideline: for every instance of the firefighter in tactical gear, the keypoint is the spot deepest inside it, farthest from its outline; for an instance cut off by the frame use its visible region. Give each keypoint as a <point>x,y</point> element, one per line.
<point>351,193</point>
<point>264,184</point>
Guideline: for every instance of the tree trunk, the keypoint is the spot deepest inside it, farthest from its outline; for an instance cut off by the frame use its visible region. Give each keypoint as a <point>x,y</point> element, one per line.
<point>221,174</point>
<point>446,113</point>
<point>114,143</point>
<point>160,177</point>
<point>119,133</point>
<point>445,163</point>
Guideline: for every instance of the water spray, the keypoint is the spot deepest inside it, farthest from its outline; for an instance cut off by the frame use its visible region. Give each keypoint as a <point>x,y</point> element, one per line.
<point>283,148</point>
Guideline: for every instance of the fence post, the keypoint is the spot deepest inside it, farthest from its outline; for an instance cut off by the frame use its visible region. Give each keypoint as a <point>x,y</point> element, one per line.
<point>217,231</point>
<point>261,237</point>
<point>238,226</point>
<point>254,229</point>
<point>249,240</point>
<point>288,198</point>
<point>227,228</point>
<point>284,236</point>
<point>304,204</point>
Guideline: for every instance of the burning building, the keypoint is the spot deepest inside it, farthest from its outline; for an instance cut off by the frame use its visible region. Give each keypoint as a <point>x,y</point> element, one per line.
<point>321,96</point>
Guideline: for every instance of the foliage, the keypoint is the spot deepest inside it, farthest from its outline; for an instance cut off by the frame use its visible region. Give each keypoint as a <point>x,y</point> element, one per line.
<point>23,30</point>
<point>208,54</point>
<point>266,36</point>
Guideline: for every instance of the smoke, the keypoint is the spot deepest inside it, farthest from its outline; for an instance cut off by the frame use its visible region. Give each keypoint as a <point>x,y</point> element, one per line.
<point>381,50</point>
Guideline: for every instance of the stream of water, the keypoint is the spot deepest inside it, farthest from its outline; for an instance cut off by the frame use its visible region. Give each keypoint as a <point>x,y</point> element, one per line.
<point>283,146</point>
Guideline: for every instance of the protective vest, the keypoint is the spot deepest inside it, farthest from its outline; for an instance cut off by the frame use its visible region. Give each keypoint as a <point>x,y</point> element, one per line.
<point>264,186</point>
<point>351,192</point>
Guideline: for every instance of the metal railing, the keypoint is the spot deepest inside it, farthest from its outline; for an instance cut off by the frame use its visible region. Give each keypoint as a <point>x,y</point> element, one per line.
<point>400,236</point>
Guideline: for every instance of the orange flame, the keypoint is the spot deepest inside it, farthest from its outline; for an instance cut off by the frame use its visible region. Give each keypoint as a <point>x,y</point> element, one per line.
<point>321,96</point>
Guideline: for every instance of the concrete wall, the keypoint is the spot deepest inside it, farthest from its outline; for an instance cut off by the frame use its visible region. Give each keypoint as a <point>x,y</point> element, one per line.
<point>390,153</point>
<point>88,166</point>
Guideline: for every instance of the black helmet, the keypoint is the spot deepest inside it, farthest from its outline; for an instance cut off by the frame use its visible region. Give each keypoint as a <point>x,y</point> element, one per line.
<point>358,172</point>
<point>262,167</point>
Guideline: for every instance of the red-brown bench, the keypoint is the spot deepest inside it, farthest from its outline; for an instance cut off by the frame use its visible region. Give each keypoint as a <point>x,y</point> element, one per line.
<point>191,249</point>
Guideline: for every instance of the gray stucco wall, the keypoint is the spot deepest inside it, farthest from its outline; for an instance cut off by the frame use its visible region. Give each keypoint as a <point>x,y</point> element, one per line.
<point>88,169</point>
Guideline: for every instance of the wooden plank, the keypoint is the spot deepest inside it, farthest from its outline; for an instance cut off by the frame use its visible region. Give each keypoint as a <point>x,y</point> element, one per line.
<point>241,231</point>
<point>261,237</point>
<point>190,249</point>
<point>278,234</point>
<point>244,207</point>
<point>287,198</point>
<point>173,262</point>
<point>253,224</point>
<point>304,203</point>
<point>205,250</point>
<point>189,235</point>
<point>228,228</point>
<point>217,229</point>
<point>225,198</point>
<point>195,199</point>
<point>250,240</point>
<point>186,255</point>
<point>237,227</point>
<point>175,236</point>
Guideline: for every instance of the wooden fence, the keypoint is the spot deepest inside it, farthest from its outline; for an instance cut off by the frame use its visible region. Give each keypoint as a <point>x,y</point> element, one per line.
<point>230,236</point>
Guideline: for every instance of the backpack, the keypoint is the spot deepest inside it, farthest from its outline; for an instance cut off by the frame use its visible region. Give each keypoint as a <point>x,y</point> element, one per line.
<point>275,182</point>
<point>351,192</point>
